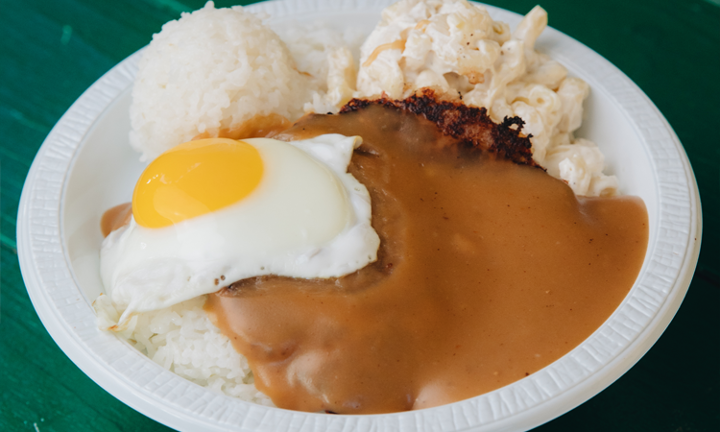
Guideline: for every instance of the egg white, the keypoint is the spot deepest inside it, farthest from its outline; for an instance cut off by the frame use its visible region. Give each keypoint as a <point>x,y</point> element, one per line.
<point>308,218</point>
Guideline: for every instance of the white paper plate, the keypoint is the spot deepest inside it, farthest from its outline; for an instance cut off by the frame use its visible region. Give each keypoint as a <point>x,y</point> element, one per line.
<point>86,165</point>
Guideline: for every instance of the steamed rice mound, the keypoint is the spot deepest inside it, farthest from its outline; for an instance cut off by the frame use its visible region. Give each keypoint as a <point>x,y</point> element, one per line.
<point>182,339</point>
<point>210,70</point>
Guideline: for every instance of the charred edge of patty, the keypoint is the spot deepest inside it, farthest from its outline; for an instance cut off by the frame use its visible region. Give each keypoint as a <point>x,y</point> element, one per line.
<point>470,125</point>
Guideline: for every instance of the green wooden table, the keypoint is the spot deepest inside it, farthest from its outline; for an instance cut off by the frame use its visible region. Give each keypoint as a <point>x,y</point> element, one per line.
<point>51,51</point>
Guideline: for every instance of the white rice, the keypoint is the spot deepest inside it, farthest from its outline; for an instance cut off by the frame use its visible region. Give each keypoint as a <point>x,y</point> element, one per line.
<point>209,70</point>
<point>183,340</point>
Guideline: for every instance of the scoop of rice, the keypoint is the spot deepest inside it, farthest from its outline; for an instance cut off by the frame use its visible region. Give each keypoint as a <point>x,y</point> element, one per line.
<point>211,70</point>
<point>182,339</point>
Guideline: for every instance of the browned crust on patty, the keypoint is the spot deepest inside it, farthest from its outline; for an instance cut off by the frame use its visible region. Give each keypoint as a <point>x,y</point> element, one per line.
<point>470,125</point>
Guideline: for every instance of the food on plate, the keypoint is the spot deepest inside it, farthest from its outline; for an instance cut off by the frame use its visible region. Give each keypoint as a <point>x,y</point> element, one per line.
<point>398,247</point>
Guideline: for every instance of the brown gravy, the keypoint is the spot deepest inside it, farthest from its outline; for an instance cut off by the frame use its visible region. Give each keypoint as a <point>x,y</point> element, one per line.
<point>488,271</point>
<point>259,126</point>
<point>115,218</point>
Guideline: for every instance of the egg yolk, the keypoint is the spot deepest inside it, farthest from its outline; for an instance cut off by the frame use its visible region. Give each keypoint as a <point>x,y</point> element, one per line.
<point>195,178</point>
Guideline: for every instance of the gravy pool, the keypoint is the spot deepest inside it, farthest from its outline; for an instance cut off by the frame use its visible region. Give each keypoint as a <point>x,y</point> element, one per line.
<point>488,271</point>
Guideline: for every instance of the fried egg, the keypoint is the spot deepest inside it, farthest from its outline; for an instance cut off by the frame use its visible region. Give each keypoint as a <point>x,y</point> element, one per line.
<point>210,212</point>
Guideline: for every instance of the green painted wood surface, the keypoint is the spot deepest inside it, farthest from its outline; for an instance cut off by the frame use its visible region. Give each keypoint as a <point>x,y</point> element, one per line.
<point>51,51</point>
